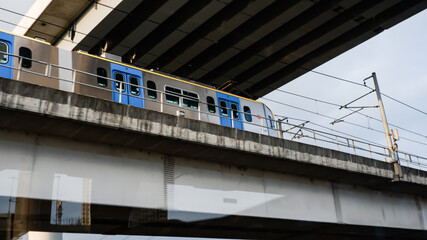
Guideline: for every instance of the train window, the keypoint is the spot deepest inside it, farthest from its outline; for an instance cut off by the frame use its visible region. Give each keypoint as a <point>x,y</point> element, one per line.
<point>119,79</point>
<point>101,72</point>
<point>151,85</point>
<point>224,110</point>
<point>248,115</point>
<point>134,89</point>
<point>3,48</point>
<point>172,94</point>
<point>235,111</point>
<point>271,122</point>
<point>25,52</point>
<point>190,99</point>
<point>211,104</point>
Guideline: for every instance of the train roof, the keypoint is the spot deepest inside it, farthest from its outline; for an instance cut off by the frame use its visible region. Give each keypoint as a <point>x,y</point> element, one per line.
<point>29,38</point>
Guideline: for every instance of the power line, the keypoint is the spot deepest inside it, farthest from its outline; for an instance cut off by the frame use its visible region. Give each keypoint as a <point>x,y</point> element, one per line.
<point>359,84</point>
<point>350,123</point>
<point>85,34</point>
<point>398,101</point>
<point>405,104</point>
<point>331,129</point>
<point>333,77</point>
<point>325,116</point>
<point>337,105</point>
<point>310,98</point>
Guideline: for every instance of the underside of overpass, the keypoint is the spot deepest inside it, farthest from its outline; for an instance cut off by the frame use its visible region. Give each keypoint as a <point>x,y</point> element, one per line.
<point>246,47</point>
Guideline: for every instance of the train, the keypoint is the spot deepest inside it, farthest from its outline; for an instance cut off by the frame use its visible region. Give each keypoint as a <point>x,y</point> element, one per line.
<point>37,62</point>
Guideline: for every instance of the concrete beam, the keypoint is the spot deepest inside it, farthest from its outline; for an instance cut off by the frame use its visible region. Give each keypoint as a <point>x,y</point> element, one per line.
<point>86,23</point>
<point>32,14</point>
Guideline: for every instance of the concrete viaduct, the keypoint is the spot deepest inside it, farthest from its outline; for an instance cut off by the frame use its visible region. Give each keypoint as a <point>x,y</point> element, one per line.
<point>133,171</point>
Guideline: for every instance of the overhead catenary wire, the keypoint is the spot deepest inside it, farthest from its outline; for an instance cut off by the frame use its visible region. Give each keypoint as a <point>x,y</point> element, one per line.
<point>358,84</point>
<point>337,105</point>
<point>404,104</point>
<point>323,115</point>
<point>398,101</point>
<point>310,98</point>
<point>362,85</point>
<point>347,122</point>
<point>331,129</point>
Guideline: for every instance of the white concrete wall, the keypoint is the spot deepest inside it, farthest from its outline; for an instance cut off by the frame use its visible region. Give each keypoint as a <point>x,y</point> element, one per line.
<point>54,168</point>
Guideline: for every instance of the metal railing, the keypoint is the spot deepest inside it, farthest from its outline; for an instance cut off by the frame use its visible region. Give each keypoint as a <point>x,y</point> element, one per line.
<point>350,145</point>
<point>296,132</point>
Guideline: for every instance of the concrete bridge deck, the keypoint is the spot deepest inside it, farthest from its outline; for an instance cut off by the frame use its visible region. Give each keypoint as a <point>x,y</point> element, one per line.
<point>52,112</point>
<point>347,182</point>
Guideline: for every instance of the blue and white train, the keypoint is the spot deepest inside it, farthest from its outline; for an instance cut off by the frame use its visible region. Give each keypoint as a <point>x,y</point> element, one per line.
<point>37,62</point>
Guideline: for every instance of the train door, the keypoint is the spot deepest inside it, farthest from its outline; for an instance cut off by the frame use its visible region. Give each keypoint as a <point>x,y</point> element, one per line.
<point>6,61</point>
<point>128,82</point>
<point>270,122</point>
<point>229,111</point>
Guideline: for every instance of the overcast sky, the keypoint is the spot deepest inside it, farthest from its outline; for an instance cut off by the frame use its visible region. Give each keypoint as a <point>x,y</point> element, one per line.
<point>397,55</point>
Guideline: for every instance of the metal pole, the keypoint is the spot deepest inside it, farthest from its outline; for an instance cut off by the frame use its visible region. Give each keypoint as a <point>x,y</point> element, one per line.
<point>279,124</point>
<point>314,137</point>
<point>18,75</point>
<point>161,101</point>
<point>232,117</point>
<point>397,170</point>
<point>338,147</point>
<point>120,92</point>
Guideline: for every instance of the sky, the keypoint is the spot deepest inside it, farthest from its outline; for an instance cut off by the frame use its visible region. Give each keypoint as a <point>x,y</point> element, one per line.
<point>396,55</point>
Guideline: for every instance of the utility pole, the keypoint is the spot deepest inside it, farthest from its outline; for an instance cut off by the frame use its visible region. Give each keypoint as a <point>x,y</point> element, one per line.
<point>394,157</point>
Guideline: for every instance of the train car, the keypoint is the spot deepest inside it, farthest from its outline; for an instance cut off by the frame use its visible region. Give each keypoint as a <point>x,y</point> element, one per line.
<point>33,71</point>
<point>37,62</point>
